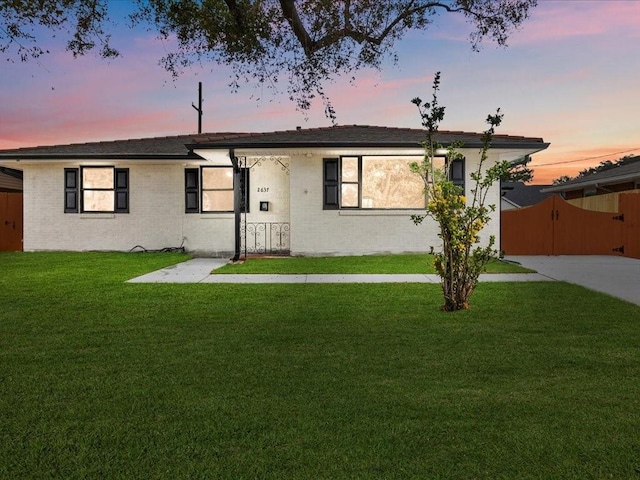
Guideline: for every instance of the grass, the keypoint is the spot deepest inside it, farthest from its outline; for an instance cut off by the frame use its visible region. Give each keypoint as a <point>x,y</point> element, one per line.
<point>374,264</point>
<point>103,379</point>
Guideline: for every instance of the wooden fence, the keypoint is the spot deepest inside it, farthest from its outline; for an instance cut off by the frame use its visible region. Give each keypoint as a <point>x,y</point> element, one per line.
<point>10,221</point>
<point>555,227</point>
<point>608,202</point>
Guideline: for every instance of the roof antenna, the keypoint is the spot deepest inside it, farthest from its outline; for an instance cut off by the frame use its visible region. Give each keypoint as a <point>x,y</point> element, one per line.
<point>199,107</point>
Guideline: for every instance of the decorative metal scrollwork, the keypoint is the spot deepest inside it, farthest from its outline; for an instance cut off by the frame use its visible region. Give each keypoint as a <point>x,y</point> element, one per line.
<point>258,161</point>
<point>270,238</point>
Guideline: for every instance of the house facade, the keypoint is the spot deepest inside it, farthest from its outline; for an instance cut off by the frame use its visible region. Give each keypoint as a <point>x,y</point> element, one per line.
<point>341,190</point>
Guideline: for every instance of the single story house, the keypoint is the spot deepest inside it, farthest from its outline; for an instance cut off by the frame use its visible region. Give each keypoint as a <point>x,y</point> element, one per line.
<point>342,190</point>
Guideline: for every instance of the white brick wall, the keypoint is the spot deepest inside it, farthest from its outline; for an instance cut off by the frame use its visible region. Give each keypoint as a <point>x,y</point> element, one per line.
<point>157,219</point>
<point>315,231</point>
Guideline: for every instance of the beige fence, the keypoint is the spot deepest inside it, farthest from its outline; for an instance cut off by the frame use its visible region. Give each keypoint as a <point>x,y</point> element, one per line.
<point>609,202</point>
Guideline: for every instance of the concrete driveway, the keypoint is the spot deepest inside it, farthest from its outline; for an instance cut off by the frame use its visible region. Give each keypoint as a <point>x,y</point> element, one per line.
<point>617,276</point>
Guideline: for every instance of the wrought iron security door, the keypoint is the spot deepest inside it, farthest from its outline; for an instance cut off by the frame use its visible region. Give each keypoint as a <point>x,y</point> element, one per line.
<point>262,233</point>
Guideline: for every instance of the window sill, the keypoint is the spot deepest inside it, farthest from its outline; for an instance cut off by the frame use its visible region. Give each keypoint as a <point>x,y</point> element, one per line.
<point>381,212</point>
<point>212,215</point>
<point>98,215</point>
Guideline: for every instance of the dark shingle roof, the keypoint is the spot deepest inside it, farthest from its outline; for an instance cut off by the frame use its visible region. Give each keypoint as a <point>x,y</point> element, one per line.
<point>362,136</point>
<point>173,146</point>
<point>524,195</point>
<point>181,146</point>
<point>627,172</point>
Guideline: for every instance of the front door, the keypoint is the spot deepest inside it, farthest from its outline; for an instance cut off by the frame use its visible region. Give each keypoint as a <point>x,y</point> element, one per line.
<point>265,228</point>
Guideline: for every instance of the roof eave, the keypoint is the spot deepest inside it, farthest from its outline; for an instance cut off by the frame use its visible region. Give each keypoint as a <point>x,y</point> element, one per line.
<point>102,156</point>
<point>537,146</point>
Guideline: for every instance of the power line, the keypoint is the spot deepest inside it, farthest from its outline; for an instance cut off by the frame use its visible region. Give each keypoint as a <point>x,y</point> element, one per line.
<point>584,159</point>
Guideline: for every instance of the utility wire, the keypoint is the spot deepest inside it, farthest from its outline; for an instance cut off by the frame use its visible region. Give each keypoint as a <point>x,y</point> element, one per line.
<point>584,159</point>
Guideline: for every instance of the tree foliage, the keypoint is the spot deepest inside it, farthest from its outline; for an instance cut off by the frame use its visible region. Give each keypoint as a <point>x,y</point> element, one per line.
<point>460,220</point>
<point>518,171</point>
<point>304,42</point>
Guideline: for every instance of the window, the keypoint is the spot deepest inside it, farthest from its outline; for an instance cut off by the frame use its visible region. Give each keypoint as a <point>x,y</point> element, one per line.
<point>211,189</point>
<point>378,182</point>
<point>96,190</point>
<point>350,182</point>
<point>217,189</point>
<point>388,182</point>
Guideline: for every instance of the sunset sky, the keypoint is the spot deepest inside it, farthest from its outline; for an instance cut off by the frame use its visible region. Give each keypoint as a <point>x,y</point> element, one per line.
<point>571,75</point>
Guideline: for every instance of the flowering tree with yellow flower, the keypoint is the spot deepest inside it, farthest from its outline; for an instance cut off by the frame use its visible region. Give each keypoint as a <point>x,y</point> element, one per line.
<point>460,219</point>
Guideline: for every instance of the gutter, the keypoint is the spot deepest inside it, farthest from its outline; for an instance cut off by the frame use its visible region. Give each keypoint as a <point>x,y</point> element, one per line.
<point>537,146</point>
<point>236,203</point>
<point>96,156</point>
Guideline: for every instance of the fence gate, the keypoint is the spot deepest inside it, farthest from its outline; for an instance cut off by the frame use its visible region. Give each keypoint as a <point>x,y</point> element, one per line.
<point>629,206</point>
<point>10,221</point>
<point>555,227</point>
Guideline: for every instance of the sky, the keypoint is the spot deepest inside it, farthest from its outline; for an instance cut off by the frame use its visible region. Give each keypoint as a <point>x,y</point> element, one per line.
<point>570,75</point>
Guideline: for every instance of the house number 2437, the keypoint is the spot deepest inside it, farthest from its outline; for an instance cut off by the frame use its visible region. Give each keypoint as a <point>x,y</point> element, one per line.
<point>263,189</point>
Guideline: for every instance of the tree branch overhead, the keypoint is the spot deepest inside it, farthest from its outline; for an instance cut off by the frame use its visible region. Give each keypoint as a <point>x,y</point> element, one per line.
<point>309,42</point>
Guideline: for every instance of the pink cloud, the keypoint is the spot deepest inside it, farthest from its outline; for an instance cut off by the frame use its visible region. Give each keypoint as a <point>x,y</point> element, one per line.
<point>551,21</point>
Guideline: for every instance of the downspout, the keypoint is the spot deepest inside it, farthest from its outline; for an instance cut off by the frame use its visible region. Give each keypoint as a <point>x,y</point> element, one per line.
<point>236,203</point>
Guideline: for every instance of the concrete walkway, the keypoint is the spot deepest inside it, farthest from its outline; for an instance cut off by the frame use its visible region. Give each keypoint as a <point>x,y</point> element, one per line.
<point>199,270</point>
<point>616,276</point>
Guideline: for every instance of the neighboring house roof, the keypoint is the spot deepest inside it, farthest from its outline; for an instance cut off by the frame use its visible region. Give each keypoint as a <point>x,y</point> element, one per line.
<point>10,180</point>
<point>625,173</point>
<point>522,195</point>
<point>181,146</point>
<point>506,204</point>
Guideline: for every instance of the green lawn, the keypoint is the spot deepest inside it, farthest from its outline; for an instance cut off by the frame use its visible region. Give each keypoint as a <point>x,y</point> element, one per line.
<point>406,263</point>
<point>103,379</point>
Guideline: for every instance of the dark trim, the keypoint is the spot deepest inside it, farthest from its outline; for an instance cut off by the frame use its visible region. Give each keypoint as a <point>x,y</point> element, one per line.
<point>245,189</point>
<point>236,204</point>
<point>121,190</point>
<point>71,190</point>
<point>457,173</point>
<point>330,183</point>
<point>192,190</point>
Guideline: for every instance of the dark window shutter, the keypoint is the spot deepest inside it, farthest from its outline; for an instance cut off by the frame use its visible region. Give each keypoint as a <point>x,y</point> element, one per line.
<point>456,172</point>
<point>244,189</point>
<point>331,193</point>
<point>192,191</point>
<point>71,190</point>
<point>122,190</point>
